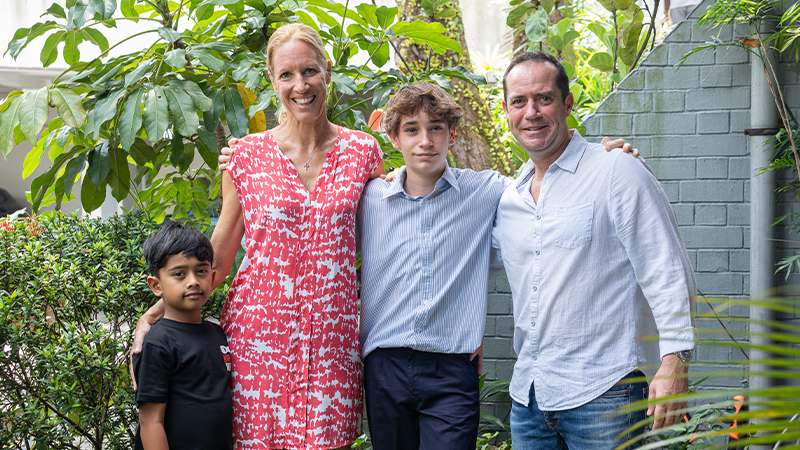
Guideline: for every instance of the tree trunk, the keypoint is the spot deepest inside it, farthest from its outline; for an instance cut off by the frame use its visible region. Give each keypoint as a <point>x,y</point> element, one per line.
<point>477,144</point>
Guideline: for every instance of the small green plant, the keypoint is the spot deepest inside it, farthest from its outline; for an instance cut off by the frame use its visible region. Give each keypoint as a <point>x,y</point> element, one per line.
<point>489,441</point>
<point>491,427</point>
<point>71,291</point>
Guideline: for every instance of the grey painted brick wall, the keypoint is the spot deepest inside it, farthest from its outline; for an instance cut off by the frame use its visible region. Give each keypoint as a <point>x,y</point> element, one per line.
<point>688,123</point>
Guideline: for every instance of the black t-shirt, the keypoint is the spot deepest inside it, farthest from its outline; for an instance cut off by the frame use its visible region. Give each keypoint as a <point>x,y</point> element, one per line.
<point>187,366</point>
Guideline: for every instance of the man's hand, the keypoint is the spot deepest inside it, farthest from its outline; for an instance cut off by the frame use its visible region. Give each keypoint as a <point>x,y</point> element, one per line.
<point>478,354</point>
<point>671,379</point>
<point>225,154</point>
<point>620,143</point>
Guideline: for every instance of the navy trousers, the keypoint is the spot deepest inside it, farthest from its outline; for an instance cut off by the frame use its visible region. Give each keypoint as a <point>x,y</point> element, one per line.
<point>420,400</point>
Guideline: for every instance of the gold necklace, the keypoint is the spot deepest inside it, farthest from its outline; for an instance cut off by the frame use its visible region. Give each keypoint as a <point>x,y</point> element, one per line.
<point>305,165</point>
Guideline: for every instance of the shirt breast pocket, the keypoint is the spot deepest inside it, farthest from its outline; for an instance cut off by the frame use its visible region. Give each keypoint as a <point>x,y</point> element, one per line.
<point>573,226</point>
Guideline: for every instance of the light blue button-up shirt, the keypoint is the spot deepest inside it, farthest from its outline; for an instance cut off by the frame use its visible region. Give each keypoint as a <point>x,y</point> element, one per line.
<point>425,262</point>
<point>595,267</point>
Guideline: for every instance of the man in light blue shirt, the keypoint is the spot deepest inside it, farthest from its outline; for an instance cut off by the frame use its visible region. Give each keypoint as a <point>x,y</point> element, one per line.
<point>596,265</point>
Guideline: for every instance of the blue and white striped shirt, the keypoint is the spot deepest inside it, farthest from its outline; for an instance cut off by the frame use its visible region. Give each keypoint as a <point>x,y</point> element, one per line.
<point>425,262</point>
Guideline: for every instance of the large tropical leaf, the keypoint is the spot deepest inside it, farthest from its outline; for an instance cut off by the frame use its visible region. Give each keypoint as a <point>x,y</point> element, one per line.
<point>433,34</point>
<point>71,52</point>
<point>74,168</point>
<point>235,113</point>
<point>92,197</point>
<point>105,7</point>
<point>104,110</point>
<point>199,99</point>
<point>33,113</point>
<point>119,176</point>
<point>536,27</point>
<point>49,52</point>
<point>69,106</point>
<point>81,12</point>
<point>99,164</point>
<point>131,120</point>
<point>9,119</point>
<point>136,74</point>
<point>156,117</point>
<point>23,36</point>
<point>184,114</point>
<point>95,37</point>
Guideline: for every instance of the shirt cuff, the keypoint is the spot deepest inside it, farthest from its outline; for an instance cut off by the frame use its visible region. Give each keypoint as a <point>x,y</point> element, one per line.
<point>676,342</point>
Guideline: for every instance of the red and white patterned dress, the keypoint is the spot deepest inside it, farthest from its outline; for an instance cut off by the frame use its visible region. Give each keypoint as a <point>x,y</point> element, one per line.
<point>291,313</point>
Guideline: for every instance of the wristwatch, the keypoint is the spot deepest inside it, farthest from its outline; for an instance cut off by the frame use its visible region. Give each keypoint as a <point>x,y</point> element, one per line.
<point>684,355</point>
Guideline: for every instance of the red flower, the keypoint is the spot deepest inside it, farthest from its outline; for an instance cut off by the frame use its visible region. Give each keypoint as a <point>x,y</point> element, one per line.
<point>7,226</point>
<point>34,229</point>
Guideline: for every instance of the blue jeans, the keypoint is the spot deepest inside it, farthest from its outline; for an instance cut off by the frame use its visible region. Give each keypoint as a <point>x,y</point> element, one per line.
<point>592,426</point>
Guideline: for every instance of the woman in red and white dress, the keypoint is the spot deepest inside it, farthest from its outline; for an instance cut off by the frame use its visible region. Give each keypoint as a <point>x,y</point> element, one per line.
<point>291,313</point>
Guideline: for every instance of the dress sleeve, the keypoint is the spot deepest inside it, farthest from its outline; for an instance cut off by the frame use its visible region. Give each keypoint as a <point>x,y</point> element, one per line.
<point>372,156</point>
<point>152,369</point>
<point>237,162</point>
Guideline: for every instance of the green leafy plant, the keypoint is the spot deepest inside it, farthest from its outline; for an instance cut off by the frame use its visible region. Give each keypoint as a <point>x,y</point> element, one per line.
<point>141,119</point>
<point>768,416</point>
<point>71,291</point>
<point>491,426</point>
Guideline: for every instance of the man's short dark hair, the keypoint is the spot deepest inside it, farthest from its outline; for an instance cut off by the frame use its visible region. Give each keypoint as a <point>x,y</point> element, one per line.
<point>562,80</point>
<point>173,239</point>
<point>420,95</point>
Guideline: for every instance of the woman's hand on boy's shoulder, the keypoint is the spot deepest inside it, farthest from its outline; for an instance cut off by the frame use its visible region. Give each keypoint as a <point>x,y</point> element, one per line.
<point>151,316</point>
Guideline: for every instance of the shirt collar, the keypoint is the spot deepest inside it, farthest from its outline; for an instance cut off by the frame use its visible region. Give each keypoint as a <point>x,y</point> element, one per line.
<point>396,187</point>
<point>568,160</point>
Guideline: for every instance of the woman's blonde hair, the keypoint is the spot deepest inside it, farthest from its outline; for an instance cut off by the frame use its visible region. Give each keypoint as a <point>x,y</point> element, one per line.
<point>296,32</point>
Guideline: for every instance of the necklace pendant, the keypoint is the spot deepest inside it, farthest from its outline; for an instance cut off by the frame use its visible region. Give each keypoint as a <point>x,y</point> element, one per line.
<point>305,166</point>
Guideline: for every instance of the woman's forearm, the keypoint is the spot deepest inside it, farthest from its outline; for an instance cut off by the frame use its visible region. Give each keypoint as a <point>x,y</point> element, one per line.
<point>228,233</point>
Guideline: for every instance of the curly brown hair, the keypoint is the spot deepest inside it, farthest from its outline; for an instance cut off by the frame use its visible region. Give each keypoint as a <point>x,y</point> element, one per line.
<point>421,95</point>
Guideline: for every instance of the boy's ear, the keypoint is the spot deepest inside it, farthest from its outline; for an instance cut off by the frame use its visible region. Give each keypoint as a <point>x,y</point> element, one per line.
<point>155,285</point>
<point>213,275</point>
<point>452,135</point>
<point>393,137</point>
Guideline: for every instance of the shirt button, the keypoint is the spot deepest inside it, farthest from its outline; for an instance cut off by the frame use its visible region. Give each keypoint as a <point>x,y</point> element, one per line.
<point>535,357</point>
<point>538,216</point>
<point>538,253</point>
<point>535,289</point>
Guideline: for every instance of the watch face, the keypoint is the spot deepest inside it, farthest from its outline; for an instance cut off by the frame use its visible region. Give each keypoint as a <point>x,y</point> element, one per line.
<point>684,355</point>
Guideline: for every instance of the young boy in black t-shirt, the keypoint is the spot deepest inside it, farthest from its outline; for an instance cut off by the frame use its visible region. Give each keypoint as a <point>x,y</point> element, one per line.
<point>183,371</point>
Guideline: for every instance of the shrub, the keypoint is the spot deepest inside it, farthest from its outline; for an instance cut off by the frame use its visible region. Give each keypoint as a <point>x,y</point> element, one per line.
<point>71,291</point>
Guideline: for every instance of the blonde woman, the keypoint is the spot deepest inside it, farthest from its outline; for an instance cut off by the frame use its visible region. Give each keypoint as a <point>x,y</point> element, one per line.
<point>291,315</point>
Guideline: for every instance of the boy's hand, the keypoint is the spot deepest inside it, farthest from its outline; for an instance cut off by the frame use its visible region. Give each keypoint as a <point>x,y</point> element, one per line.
<point>620,143</point>
<point>226,153</point>
<point>478,354</point>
